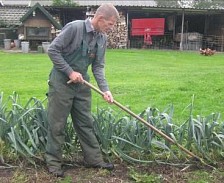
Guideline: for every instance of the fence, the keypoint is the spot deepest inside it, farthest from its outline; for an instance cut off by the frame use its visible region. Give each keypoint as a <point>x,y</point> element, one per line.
<point>168,41</point>
<point>2,37</point>
<point>191,41</point>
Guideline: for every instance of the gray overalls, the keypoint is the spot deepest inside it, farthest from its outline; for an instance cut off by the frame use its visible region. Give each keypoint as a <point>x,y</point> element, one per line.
<point>74,99</point>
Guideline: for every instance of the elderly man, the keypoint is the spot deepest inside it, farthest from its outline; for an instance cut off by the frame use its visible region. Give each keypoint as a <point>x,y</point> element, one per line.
<point>81,43</point>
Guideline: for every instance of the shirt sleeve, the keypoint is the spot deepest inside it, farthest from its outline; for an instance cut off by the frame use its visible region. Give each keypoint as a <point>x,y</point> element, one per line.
<point>59,45</point>
<point>98,71</point>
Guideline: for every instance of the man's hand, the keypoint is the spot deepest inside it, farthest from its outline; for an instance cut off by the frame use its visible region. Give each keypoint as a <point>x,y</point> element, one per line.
<point>76,77</point>
<point>108,97</point>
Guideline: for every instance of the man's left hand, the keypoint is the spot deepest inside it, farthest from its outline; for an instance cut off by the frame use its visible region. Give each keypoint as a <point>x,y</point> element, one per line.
<point>108,97</point>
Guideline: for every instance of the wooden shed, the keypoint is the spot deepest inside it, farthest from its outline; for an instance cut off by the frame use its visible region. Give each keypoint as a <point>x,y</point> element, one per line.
<point>38,26</point>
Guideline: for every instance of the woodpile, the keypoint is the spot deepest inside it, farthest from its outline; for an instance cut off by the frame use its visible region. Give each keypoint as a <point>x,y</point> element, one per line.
<point>207,52</point>
<point>119,36</point>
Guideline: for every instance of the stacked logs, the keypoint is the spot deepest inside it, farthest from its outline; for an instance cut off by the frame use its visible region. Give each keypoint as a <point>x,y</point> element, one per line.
<point>119,36</point>
<point>207,52</point>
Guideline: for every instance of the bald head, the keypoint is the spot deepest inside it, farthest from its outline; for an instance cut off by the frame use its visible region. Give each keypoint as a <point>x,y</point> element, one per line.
<point>107,10</point>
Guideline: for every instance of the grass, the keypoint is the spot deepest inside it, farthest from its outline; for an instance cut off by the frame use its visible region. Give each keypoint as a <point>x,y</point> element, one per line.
<point>26,74</point>
<point>137,78</point>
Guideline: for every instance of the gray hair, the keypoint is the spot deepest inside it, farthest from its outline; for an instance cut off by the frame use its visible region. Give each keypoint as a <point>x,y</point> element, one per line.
<point>107,10</point>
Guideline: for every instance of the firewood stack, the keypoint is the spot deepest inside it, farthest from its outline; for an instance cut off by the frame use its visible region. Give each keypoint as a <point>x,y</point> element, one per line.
<point>207,52</point>
<point>118,37</point>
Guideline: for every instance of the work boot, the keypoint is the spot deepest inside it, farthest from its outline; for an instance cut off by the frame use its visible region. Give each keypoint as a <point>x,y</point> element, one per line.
<point>103,165</point>
<point>57,172</point>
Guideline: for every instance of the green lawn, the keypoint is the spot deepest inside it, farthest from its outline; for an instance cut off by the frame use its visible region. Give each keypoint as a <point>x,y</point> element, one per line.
<point>137,78</point>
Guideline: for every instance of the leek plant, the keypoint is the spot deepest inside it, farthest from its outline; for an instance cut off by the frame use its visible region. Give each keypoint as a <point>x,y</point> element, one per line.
<point>23,130</point>
<point>130,140</point>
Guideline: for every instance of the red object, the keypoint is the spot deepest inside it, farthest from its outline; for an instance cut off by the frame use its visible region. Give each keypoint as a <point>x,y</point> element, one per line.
<point>147,39</point>
<point>150,26</point>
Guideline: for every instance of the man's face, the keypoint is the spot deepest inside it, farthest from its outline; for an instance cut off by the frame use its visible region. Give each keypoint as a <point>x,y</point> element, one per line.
<point>106,25</point>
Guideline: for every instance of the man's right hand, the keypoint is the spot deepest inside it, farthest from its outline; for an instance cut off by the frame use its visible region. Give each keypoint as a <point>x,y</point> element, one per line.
<point>76,77</point>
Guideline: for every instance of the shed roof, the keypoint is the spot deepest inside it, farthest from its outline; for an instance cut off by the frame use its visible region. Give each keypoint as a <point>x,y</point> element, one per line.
<point>15,2</point>
<point>82,2</point>
<point>121,3</point>
<point>150,3</point>
<point>45,12</point>
<point>27,2</point>
<point>11,15</point>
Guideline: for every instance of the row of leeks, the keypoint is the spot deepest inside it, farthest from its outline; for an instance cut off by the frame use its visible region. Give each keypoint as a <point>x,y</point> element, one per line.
<point>23,132</point>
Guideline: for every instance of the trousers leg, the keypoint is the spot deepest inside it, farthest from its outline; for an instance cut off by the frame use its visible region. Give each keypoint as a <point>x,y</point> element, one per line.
<point>83,124</point>
<point>59,105</point>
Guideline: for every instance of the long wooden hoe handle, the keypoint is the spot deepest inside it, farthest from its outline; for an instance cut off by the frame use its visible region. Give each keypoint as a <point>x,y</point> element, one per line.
<point>142,120</point>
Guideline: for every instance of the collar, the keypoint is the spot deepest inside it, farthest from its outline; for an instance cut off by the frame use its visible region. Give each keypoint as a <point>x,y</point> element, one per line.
<point>89,26</point>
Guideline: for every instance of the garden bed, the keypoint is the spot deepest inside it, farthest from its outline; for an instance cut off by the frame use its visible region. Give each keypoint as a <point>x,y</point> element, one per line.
<point>123,173</point>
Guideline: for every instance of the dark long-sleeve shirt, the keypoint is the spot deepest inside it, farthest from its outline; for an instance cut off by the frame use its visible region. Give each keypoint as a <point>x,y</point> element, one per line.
<point>69,39</point>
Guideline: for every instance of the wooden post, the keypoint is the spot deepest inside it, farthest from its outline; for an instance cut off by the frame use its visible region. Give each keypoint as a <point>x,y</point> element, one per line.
<point>182,32</point>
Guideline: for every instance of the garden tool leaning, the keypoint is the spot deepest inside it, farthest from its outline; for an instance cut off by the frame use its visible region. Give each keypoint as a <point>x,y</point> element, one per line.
<point>147,124</point>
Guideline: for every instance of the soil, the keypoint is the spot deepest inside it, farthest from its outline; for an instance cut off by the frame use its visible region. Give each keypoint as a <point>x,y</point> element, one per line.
<point>123,173</point>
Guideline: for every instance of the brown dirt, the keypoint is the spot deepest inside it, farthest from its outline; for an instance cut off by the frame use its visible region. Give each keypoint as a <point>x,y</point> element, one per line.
<point>122,174</point>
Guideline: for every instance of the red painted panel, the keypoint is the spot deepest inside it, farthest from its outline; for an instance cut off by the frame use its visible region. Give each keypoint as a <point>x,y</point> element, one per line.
<point>151,26</point>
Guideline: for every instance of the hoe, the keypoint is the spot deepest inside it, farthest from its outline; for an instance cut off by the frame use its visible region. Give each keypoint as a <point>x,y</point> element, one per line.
<point>195,157</point>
